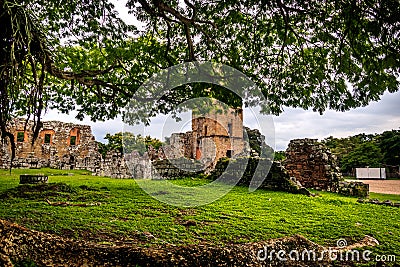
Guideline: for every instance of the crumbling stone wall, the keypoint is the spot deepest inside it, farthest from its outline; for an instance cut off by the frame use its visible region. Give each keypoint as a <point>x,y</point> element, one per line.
<point>134,165</point>
<point>59,145</point>
<point>353,189</point>
<point>312,164</point>
<point>113,165</point>
<point>278,178</point>
<point>139,166</point>
<point>181,145</point>
<point>175,168</point>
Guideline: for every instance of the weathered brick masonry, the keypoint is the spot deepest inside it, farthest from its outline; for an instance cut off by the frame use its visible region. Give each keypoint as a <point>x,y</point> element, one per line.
<point>312,164</point>
<point>59,145</point>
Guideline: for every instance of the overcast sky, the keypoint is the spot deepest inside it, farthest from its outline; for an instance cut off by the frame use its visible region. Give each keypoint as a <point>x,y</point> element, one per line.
<point>291,124</point>
<point>375,118</point>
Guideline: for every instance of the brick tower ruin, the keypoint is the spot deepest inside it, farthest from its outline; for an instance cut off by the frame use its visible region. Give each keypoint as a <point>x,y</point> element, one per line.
<point>215,134</point>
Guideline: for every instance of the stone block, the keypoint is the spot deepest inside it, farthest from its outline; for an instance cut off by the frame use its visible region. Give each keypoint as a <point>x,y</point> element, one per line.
<point>355,189</point>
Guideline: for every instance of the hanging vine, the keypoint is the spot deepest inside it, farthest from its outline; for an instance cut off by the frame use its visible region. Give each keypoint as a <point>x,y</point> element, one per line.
<point>22,68</point>
<point>26,62</point>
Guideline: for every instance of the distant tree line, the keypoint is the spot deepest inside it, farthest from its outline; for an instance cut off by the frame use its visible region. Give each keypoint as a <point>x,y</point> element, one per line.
<point>127,142</point>
<point>362,150</point>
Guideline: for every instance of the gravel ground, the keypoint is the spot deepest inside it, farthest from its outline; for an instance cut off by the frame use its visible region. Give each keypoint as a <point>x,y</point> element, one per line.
<point>383,186</point>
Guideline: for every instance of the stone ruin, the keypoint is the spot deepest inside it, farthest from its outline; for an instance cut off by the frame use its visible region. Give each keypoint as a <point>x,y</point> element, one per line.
<point>243,170</point>
<point>67,146</point>
<point>153,164</point>
<point>309,164</point>
<point>113,165</point>
<point>215,134</point>
<point>59,145</point>
<point>72,146</point>
<point>180,145</point>
<point>312,164</point>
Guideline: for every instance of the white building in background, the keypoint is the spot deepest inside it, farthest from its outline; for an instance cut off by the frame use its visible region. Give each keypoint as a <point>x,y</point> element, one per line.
<point>370,173</point>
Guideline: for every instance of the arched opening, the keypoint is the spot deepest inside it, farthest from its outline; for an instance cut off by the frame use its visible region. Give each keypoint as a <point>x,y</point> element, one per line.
<point>198,153</point>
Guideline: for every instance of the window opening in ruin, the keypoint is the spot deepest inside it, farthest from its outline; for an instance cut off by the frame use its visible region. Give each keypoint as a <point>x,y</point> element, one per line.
<point>20,136</point>
<point>229,128</point>
<point>205,130</point>
<point>72,140</point>
<point>47,138</point>
<point>74,136</point>
<point>229,153</point>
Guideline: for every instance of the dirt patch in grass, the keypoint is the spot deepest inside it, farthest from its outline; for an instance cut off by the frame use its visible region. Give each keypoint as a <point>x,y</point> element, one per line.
<point>28,191</point>
<point>58,194</point>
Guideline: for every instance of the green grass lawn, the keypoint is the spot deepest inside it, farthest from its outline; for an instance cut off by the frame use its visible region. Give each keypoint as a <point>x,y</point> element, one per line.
<point>127,213</point>
<point>381,197</point>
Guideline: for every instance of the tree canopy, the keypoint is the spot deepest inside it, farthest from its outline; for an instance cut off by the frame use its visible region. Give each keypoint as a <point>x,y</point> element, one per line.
<point>362,150</point>
<point>127,142</point>
<point>70,54</point>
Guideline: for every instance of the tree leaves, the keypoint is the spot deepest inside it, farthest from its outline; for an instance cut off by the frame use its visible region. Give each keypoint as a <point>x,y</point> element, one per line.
<point>366,150</point>
<point>309,54</point>
<point>127,142</point>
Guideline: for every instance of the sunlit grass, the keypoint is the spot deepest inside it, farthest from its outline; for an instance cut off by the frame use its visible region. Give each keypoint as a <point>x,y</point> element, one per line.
<point>127,212</point>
